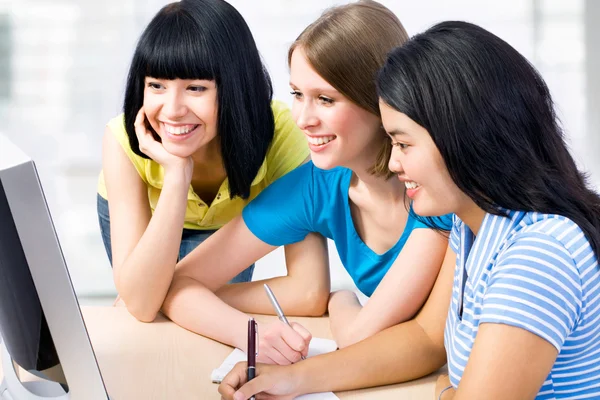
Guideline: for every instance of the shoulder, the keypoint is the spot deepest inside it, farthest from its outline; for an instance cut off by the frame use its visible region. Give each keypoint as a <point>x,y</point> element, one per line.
<point>556,230</point>
<point>116,126</point>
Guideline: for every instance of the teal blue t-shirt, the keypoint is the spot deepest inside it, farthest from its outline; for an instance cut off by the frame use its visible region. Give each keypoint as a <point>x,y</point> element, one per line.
<point>309,199</point>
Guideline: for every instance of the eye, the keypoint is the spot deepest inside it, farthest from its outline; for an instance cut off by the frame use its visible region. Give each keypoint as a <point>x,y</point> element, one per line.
<point>155,85</point>
<point>325,100</point>
<point>197,89</point>
<point>399,145</point>
<point>296,94</point>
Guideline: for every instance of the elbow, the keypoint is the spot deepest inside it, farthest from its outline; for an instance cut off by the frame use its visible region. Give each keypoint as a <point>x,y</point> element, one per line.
<point>315,303</point>
<point>140,308</point>
<point>307,303</point>
<point>438,358</point>
<point>142,314</point>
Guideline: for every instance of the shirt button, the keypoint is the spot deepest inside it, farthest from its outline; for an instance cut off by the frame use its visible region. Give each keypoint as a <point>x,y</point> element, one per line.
<point>219,196</point>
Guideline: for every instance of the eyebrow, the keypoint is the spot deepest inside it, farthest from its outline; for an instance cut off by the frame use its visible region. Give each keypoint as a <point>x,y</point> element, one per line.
<point>319,90</point>
<point>397,133</point>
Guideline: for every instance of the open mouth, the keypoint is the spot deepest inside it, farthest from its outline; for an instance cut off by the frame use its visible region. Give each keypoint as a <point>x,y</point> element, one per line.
<point>179,132</point>
<point>320,140</point>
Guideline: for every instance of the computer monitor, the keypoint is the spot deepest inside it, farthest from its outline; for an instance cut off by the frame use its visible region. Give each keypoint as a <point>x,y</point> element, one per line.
<point>41,324</point>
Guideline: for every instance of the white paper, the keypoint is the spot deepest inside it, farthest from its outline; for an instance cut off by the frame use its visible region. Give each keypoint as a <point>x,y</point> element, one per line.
<point>317,346</point>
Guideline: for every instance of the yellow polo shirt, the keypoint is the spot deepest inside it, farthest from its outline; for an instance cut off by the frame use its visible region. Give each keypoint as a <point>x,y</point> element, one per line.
<point>287,151</point>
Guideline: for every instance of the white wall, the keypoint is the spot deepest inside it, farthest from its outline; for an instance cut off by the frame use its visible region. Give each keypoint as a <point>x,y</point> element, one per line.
<point>70,58</point>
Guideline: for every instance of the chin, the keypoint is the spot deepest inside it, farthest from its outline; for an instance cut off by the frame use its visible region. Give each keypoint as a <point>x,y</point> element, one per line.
<point>179,151</point>
<point>323,162</point>
<point>428,210</point>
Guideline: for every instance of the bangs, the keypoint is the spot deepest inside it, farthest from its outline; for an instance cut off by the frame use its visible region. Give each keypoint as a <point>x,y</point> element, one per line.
<point>171,50</point>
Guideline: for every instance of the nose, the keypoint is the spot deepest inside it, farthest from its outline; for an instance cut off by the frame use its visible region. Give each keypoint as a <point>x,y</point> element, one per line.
<point>174,106</point>
<point>305,115</point>
<point>394,164</point>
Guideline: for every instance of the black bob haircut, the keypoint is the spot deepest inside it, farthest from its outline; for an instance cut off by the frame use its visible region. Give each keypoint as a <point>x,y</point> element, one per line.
<point>209,39</point>
<point>492,118</point>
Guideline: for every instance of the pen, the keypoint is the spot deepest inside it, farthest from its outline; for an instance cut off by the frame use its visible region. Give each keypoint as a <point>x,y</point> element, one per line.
<point>278,309</point>
<point>252,350</point>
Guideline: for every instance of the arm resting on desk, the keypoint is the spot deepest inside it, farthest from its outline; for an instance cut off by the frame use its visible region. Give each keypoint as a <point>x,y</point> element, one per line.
<point>193,304</point>
<point>398,297</point>
<point>407,351</point>
<point>401,353</point>
<point>144,246</point>
<point>304,291</point>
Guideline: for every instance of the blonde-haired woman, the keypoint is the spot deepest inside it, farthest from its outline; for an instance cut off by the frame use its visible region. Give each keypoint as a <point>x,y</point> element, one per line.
<point>346,193</point>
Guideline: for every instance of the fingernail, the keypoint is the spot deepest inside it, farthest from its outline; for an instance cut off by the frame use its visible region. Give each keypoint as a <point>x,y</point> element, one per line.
<point>238,396</point>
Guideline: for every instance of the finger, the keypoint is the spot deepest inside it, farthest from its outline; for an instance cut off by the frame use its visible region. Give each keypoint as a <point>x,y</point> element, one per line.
<point>139,120</point>
<point>306,335</point>
<point>233,380</point>
<point>264,358</point>
<point>275,354</point>
<point>249,389</point>
<point>291,355</point>
<point>302,331</point>
<point>297,337</point>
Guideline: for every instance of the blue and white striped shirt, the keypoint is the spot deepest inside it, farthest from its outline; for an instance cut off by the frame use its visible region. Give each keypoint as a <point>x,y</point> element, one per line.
<point>537,272</point>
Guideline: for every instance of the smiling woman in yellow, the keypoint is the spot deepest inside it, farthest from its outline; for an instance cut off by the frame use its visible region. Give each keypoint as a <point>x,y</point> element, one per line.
<point>206,215</point>
<point>200,137</point>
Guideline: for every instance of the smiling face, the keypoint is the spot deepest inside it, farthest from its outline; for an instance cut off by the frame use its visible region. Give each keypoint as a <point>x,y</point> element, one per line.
<point>182,112</point>
<point>418,163</point>
<point>339,132</point>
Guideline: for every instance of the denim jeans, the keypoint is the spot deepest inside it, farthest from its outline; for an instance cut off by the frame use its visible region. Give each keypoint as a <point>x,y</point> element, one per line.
<point>189,240</point>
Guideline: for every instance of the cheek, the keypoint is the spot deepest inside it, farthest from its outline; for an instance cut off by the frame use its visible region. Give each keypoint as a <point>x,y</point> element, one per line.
<point>151,105</point>
<point>295,110</point>
<point>343,122</point>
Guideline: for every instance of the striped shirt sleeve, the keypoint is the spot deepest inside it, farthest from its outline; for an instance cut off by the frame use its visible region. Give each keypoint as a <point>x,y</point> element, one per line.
<point>535,285</point>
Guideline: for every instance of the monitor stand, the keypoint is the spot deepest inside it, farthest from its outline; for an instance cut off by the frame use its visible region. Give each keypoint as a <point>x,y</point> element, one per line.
<point>12,388</point>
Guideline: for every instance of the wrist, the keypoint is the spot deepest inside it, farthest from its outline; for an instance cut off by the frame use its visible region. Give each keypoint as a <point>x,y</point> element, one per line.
<point>302,374</point>
<point>176,177</point>
<point>445,391</point>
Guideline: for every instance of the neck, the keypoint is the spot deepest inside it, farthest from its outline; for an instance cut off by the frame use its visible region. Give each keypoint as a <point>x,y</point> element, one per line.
<point>378,186</point>
<point>208,159</point>
<point>473,216</point>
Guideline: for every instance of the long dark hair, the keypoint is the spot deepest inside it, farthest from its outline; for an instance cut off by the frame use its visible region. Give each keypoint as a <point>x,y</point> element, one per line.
<point>492,118</point>
<point>209,39</point>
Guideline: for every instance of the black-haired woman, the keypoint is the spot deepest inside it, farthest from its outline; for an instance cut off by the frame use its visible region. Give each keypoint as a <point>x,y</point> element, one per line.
<point>199,138</point>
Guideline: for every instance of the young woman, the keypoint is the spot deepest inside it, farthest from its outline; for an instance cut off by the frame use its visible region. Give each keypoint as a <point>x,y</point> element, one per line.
<point>199,138</point>
<point>346,193</point>
<point>475,134</point>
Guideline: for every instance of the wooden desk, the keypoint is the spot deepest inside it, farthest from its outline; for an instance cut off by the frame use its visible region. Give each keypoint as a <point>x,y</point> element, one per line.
<point>161,360</point>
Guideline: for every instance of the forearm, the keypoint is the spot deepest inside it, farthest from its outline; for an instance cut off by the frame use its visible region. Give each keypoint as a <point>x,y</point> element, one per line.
<point>196,308</point>
<point>143,279</point>
<point>397,354</point>
<point>344,309</point>
<point>294,297</point>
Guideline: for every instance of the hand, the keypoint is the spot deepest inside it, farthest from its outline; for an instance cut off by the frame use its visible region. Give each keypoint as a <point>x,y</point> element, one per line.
<point>276,382</point>
<point>282,344</point>
<point>156,151</point>
<point>443,382</point>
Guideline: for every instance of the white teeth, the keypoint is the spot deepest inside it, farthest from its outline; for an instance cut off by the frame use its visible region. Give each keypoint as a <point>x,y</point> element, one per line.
<point>179,130</point>
<point>321,140</point>
<point>411,185</point>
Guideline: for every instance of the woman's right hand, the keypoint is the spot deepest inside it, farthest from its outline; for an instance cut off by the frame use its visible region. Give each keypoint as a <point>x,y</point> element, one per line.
<point>279,343</point>
<point>273,382</point>
<point>156,151</point>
